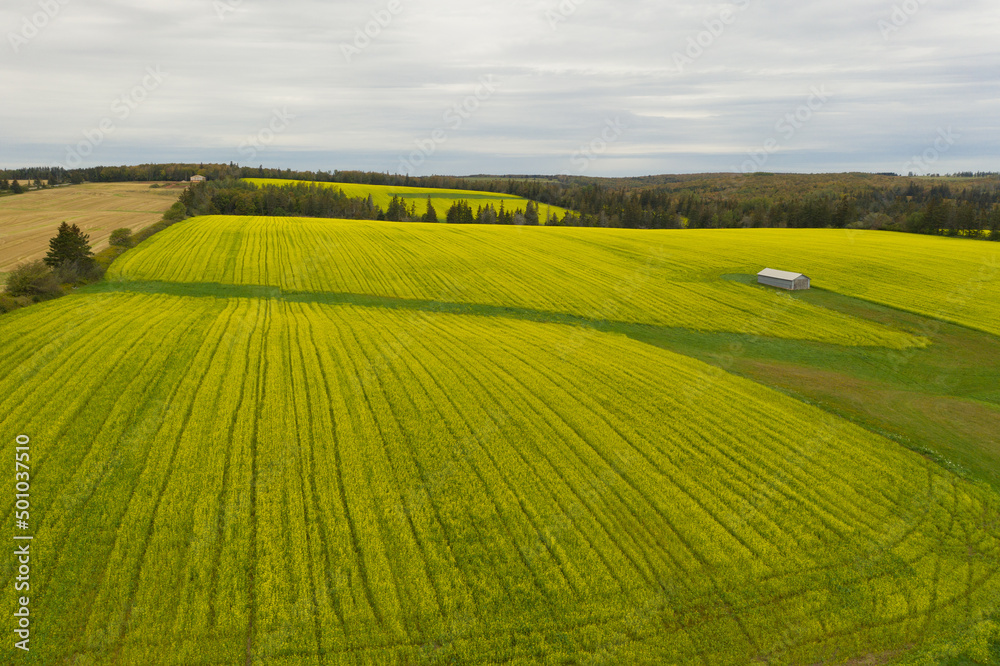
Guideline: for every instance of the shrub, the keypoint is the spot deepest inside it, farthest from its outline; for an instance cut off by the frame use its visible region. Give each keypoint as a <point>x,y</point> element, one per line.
<point>104,258</point>
<point>874,222</point>
<point>121,238</point>
<point>34,280</point>
<point>79,272</point>
<point>175,213</point>
<point>146,232</point>
<point>9,303</point>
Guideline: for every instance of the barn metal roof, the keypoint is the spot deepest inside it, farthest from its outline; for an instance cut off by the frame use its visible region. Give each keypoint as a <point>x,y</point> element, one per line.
<point>779,275</point>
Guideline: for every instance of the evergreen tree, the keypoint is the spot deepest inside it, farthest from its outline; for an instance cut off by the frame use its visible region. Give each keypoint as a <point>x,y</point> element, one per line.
<point>397,210</point>
<point>936,215</point>
<point>845,213</point>
<point>4,185</point>
<point>503,215</point>
<point>70,246</point>
<point>431,214</point>
<point>487,215</point>
<point>460,213</point>
<point>531,214</point>
<point>16,188</point>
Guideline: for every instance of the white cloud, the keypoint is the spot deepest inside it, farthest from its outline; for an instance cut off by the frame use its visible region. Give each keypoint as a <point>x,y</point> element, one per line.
<point>557,87</point>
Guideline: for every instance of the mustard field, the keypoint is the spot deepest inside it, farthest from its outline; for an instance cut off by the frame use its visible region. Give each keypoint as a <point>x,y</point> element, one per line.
<point>441,199</point>
<point>587,273</point>
<point>285,441</point>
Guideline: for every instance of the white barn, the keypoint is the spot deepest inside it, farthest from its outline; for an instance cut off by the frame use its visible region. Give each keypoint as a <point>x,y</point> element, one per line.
<point>198,179</point>
<point>783,279</point>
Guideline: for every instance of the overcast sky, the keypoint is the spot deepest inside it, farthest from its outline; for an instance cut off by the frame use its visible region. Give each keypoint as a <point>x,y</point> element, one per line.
<point>589,87</point>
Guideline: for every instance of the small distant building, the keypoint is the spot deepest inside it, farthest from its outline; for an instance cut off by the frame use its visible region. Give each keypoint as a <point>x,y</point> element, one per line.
<point>783,279</point>
<point>198,179</point>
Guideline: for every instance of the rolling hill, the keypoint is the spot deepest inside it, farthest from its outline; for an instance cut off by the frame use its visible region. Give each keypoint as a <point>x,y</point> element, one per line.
<point>441,199</point>
<point>593,274</point>
<point>305,442</point>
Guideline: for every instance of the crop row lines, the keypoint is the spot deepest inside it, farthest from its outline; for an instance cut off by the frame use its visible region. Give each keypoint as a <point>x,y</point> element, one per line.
<point>138,555</point>
<point>111,475</point>
<point>99,371</point>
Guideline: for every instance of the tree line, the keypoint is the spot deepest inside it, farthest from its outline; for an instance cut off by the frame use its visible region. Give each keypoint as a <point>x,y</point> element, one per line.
<point>236,197</point>
<point>15,187</point>
<point>462,212</point>
<point>966,203</point>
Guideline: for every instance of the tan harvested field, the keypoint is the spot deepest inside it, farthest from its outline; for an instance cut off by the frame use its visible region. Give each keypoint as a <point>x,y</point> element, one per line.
<point>29,220</point>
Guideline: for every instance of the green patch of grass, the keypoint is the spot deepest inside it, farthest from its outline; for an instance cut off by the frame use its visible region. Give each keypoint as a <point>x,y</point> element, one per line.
<point>942,401</point>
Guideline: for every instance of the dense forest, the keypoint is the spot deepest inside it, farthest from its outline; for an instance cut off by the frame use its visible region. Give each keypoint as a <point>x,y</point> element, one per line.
<point>235,197</point>
<point>965,204</point>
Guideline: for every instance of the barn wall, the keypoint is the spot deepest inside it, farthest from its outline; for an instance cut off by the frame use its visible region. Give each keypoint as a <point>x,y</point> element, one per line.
<point>774,282</point>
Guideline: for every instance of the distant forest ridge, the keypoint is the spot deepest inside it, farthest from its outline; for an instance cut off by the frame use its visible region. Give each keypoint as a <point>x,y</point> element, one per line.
<point>961,204</point>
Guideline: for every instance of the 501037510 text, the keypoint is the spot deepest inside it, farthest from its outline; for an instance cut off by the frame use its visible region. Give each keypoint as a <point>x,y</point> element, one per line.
<point>22,541</point>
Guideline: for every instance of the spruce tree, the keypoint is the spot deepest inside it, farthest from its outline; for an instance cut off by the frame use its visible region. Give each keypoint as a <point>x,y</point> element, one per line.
<point>461,213</point>
<point>531,214</point>
<point>397,210</point>
<point>468,217</point>
<point>487,215</point>
<point>70,246</point>
<point>431,214</point>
